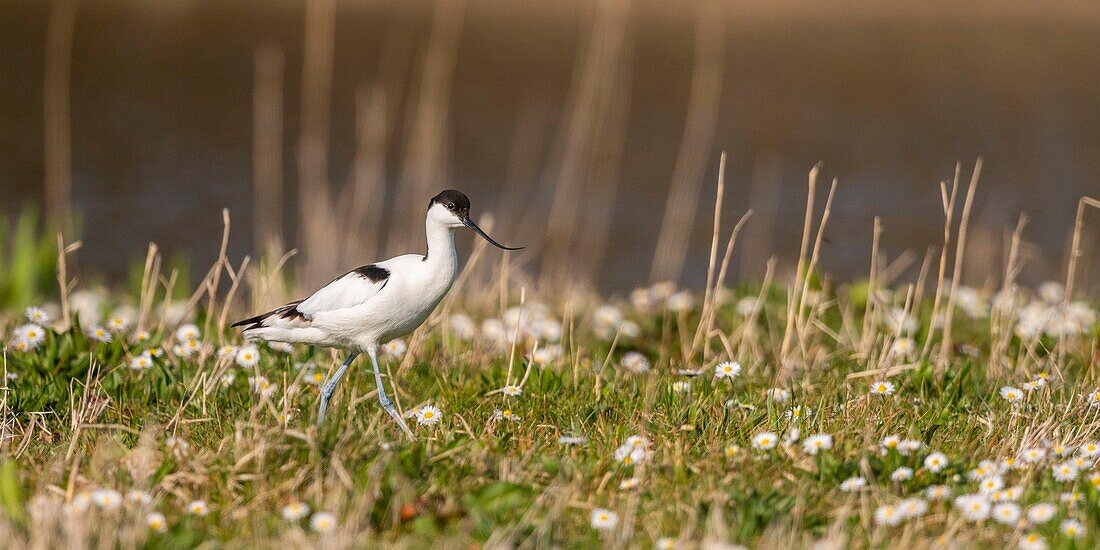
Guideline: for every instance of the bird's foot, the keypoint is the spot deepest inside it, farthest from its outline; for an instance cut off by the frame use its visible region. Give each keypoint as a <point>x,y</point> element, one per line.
<point>388,406</point>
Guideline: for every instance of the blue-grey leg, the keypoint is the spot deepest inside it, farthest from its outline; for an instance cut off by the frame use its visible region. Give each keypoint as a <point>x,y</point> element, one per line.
<point>383,399</point>
<point>330,386</point>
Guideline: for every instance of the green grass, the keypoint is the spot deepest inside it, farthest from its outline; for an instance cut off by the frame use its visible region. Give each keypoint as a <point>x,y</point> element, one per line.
<point>77,418</point>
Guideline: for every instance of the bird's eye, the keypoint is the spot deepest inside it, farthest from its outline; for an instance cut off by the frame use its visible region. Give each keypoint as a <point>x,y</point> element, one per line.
<point>450,205</point>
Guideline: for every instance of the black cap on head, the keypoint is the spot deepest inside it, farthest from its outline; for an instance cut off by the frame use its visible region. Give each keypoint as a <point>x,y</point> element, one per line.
<point>452,200</point>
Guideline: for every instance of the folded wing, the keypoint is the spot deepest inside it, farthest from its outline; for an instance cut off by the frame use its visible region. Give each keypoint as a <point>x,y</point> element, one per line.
<point>348,290</point>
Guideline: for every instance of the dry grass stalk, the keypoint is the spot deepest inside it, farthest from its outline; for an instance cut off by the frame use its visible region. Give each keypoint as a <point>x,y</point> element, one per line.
<point>800,323</point>
<point>960,251</point>
<point>949,213</point>
<point>867,334</point>
<point>1075,253</point>
<point>699,128</point>
<point>807,223</point>
<point>1001,321</point>
<point>64,285</point>
<point>710,308</point>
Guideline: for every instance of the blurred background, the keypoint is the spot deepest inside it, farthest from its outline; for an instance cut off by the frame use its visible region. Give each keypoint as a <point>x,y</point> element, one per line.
<point>590,129</point>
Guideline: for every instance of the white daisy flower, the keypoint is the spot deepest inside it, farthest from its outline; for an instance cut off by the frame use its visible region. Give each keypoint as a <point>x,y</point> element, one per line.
<point>505,414</point>
<point>903,347</point>
<point>156,522</point>
<point>188,332</point>
<point>798,412</point>
<point>511,390</point>
<point>888,515</point>
<point>262,386</point>
<point>323,522</point>
<point>778,395</point>
<point>37,315</point>
<point>99,334</point>
<point>973,507</point>
<point>198,508</point>
<point>991,484</point>
<point>30,333</point>
<point>1032,455</point>
<point>817,443</point>
<point>1063,450</point>
<point>248,356</point>
<point>1033,541</point>
<point>187,348</point>
<point>913,507</point>
<point>1072,528</point>
<point>428,415</point>
<point>764,441</point>
<point>295,511</point>
<point>1065,471</point>
<point>882,387</point>
<point>1089,449</point>
<point>937,492</point>
<point>681,301</point>
<point>604,520</point>
<point>727,369</point>
<point>902,474</point>
<point>227,352</point>
<point>909,446</point>
<point>1007,513</point>
<point>935,462</point>
<point>107,499</point>
<point>142,362</point>
<point>118,323</point>
<point>395,348</point>
<point>635,362</point>
<point>629,484</point>
<point>462,326</point>
<point>1093,398</point>
<point>1011,394</point>
<point>1041,513</point>
<point>853,484</point>
<point>890,442</point>
<point>629,454</point>
<point>1032,385</point>
<point>546,355</point>
<point>666,543</point>
<point>137,496</point>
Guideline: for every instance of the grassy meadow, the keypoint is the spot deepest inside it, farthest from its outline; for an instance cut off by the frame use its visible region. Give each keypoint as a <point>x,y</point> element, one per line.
<point>790,413</point>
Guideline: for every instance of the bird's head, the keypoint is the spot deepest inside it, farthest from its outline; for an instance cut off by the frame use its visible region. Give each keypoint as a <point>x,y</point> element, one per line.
<point>452,209</point>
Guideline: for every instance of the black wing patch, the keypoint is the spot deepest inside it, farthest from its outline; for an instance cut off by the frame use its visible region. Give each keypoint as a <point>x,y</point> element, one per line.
<point>372,273</point>
<point>289,311</point>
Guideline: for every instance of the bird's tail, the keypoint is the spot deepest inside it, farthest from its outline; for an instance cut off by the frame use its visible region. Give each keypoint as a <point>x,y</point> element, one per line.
<point>287,314</point>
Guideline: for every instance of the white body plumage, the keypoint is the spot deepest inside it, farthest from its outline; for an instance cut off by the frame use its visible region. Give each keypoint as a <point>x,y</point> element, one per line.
<point>374,304</point>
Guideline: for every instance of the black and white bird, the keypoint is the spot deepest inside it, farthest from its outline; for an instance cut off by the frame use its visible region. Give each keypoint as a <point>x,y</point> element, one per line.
<point>371,305</point>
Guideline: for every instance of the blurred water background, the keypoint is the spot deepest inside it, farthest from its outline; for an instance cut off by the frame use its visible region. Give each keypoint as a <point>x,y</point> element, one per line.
<point>590,130</point>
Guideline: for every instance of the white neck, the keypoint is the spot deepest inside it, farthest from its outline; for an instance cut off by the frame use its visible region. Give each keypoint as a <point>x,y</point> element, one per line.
<point>441,245</point>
